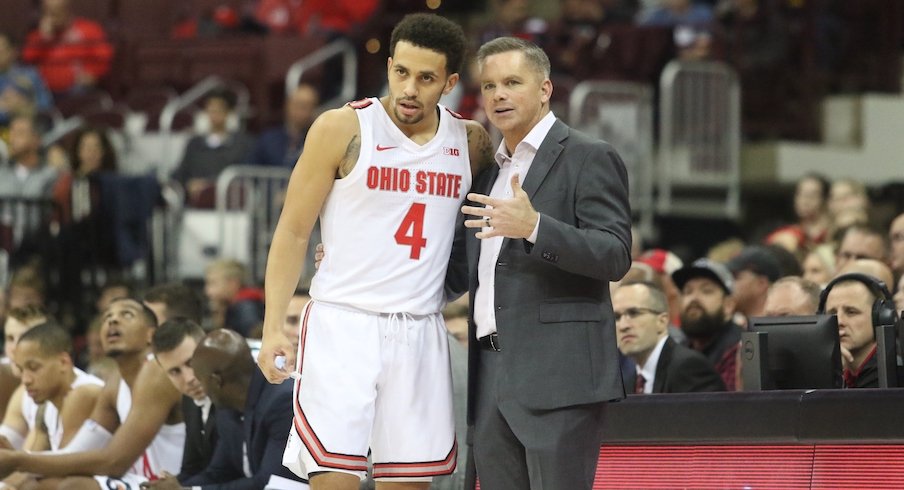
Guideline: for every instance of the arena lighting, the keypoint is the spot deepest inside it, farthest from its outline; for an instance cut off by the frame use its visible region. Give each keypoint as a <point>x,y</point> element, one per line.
<point>434,4</point>
<point>372,46</point>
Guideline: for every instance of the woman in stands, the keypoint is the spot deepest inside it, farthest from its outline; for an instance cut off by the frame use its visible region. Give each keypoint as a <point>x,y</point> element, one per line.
<point>813,221</point>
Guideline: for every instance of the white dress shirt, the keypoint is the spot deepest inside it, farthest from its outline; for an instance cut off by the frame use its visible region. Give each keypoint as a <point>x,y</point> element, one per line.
<point>648,371</point>
<point>519,161</point>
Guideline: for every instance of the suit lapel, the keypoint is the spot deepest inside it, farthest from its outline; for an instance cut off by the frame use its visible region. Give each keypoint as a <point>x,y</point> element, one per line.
<point>665,358</point>
<point>545,158</point>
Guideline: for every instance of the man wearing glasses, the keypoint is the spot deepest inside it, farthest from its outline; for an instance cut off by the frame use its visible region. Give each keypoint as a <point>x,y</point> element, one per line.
<point>663,365</point>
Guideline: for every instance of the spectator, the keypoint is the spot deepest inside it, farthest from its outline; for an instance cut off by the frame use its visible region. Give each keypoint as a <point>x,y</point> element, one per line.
<point>278,16</point>
<point>896,239</point>
<point>233,303</point>
<point>811,198</point>
<point>819,265</point>
<point>848,203</point>
<point>72,53</point>
<point>663,263</point>
<point>663,366</point>
<point>18,321</point>
<point>26,288</point>
<point>861,242</point>
<point>706,315</point>
<point>294,312</point>
<point>78,192</point>
<point>206,155</point>
<point>792,296</point>
<point>135,432</point>
<point>575,36</point>
<point>673,13</point>
<point>512,18</point>
<point>111,290</point>
<point>26,175</point>
<point>754,270</point>
<point>174,345</point>
<point>55,397</point>
<point>280,147</point>
<point>876,269</point>
<point>25,86</point>
<point>257,413</point>
<point>853,300</point>
<point>172,300</point>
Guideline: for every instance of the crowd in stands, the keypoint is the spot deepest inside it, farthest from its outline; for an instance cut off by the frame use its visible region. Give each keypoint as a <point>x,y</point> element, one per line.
<point>68,330</point>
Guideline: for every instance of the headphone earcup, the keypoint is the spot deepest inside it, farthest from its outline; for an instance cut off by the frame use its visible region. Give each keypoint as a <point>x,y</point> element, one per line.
<point>884,312</point>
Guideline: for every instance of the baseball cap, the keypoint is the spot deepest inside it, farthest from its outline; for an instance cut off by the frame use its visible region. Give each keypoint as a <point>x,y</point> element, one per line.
<point>758,260</point>
<point>661,261</point>
<point>704,268</point>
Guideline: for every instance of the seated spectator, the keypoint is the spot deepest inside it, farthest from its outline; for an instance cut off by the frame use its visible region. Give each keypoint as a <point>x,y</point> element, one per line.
<point>792,296</point>
<point>849,203</point>
<point>233,303</point>
<point>852,300</point>
<point>663,366</point>
<point>574,37</point>
<point>861,242</point>
<point>512,18</point>
<point>55,398</point>
<point>876,269</point>
<point>896,240</point>
<point>20,86</point>
<point>174,344</point>
<point>26,288</point>
<point>206,155</point>
<point>811,197</point>
<point>679,13</point>
<point>662,264</point>
<point>278,16</point>
<point>135,432</point>
<point>707,309</point>
<point>174,300</point>
<point>281,147</point>
<point>72,53</point>
<point>819,265</point>
<point>253,417</point>
<point>754,270</point>
<point>26,175</point>
<point>77,192</point>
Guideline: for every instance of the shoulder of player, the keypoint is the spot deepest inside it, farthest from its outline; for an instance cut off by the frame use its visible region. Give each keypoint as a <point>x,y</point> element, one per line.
<point>151,377</point>
<point>332,126</point>
<point>85,395</point>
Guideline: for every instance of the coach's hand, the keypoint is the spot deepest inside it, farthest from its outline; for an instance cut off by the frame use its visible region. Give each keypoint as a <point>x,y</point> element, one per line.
<point>512,217</point>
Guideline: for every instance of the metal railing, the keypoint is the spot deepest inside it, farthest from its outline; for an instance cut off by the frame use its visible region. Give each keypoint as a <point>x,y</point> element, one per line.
<point>699,140</point>
<point>340,47</point>
<point>257,194</point>
<point>621,113</point>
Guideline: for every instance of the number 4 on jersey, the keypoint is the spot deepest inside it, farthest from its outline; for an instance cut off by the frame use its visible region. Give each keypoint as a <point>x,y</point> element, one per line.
<point>413,221</point>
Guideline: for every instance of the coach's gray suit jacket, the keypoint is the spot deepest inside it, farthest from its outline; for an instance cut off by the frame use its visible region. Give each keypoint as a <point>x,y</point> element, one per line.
<point>553,312</point>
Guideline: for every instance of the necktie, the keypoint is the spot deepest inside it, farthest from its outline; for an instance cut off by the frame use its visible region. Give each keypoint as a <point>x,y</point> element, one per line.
<point>639,383</point>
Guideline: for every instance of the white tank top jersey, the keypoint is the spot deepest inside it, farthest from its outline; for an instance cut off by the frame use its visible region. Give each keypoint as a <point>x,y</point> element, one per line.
<point>51,413</point>
<point>165,451</point>
<point>388,226</point>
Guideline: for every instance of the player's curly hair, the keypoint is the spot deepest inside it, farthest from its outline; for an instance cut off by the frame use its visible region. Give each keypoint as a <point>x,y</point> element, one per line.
<point>435,33</point>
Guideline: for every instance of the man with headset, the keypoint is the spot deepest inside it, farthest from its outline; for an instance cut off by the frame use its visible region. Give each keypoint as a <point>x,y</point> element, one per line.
<point>861,303</point>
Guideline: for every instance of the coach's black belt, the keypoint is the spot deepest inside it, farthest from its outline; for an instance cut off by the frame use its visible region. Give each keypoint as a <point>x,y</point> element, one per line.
<point>490,342</point>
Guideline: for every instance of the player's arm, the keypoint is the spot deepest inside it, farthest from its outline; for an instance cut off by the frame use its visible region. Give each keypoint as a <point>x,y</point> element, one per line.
<point>153,398</point>
<point>77,407</point>
<point>15,428</point>
<point>331,149</point>
<point>480,148</point>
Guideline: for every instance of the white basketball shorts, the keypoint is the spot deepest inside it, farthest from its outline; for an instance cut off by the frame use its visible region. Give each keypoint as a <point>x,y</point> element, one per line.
<point>378,381</point>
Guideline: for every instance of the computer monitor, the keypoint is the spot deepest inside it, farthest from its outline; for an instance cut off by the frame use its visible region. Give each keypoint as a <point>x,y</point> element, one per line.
<point>791,352</point>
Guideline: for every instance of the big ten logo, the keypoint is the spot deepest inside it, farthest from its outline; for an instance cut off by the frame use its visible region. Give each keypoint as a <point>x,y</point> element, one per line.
<point>450,151</point>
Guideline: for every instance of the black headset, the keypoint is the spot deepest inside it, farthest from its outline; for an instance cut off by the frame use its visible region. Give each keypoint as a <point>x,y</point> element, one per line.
<point>884,312</point>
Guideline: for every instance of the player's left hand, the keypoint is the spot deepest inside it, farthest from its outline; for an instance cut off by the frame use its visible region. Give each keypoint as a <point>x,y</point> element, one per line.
<point>512,217</point>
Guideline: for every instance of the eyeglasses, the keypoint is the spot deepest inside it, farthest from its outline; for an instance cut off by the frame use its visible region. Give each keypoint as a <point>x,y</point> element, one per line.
<point>633,313</point>
<point>897,236</point>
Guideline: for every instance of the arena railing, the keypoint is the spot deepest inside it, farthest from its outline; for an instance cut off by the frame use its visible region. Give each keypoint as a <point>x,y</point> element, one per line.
<point>621,113</point>
<point>340,47</point>
<point>699,140</point>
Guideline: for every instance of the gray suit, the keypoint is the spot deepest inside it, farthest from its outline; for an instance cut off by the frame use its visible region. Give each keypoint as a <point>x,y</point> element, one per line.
<point>541,395</point>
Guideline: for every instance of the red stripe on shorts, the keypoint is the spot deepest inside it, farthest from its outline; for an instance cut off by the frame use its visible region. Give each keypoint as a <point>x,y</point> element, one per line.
<point>421,469</point>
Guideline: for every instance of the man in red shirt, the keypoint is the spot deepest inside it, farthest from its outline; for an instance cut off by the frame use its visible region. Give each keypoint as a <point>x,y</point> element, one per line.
<point>71,52</point>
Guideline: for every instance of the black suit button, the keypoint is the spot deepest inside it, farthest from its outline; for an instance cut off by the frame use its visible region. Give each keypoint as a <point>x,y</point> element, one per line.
<point>501,264</point>
<point>498,308</point>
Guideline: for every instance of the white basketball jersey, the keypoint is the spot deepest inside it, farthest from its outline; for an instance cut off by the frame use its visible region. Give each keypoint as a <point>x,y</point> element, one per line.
<point>387,227</point>
<point>52,414</point>
<point>165,451</point>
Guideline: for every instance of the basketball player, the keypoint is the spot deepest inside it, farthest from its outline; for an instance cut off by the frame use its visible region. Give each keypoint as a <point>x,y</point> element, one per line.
<point>386,177</point>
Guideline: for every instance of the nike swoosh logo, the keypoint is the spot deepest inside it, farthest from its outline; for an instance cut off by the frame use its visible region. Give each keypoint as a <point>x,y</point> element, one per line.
<point>384,148</point>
